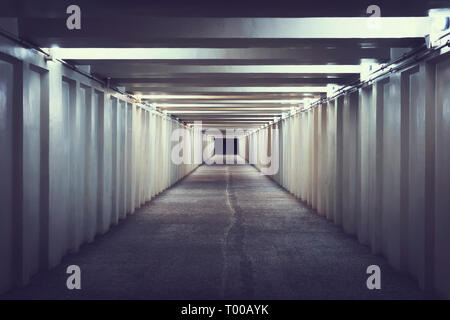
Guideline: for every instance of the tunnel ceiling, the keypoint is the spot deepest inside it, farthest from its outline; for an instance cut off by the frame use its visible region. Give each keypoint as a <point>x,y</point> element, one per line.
<point>230,64</point>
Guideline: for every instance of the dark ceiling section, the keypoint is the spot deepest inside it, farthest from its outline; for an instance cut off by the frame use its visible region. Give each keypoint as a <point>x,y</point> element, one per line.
<point>221,8</point>
<point>217,60</point>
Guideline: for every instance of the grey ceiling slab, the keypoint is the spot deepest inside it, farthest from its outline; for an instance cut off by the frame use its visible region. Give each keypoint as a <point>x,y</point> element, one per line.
<point>208,8</point>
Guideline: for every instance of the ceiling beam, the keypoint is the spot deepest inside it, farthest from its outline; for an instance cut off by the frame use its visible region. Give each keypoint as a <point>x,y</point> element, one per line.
<point>212,29</point>
<point>236,112</point>
<point>120,69</point>
<point>208,105</point>
<point>193,117</point>
<point>227,81</point>
<point>224,97</point>
<point>227,89</point>
<point>230,120</point>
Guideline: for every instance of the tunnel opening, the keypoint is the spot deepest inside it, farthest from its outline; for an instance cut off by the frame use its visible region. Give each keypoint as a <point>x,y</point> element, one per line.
<point>226,146</point>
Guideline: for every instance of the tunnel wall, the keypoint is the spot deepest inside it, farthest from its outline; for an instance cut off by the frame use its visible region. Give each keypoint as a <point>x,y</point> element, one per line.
<point>376,162</point>
<point>76,159</point>
<point>208,147</point>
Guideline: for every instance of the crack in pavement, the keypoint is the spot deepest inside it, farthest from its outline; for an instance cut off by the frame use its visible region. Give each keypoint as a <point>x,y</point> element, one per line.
<point>234,244</point>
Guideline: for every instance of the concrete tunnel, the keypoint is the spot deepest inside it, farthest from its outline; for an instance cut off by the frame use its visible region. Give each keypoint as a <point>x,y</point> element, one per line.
<point>224,150</point>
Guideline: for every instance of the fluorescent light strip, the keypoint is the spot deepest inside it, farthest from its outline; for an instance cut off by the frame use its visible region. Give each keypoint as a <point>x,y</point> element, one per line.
<point>237,125</point>
<point>221,98</point>
<point>237,90</point>
<point>226,112</point>
<point>230,103</point>
<point>174,111</point>
<point>256,69</point>
<point>227,119</point>
<point>234,121</point>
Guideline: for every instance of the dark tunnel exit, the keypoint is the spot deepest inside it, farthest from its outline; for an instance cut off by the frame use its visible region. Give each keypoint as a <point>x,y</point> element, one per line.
<point>226,146</point>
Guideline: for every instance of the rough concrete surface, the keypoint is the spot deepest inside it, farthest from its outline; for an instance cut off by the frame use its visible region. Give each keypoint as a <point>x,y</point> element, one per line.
<point>224,232</point>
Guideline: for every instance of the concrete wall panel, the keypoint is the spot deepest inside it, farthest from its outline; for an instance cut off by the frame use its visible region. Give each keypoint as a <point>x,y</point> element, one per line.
<point>31,173</point>
<point>391,186</point>
<point>91,182</point>
<point>105,110</point>
<point>414,241</point>
<point>6,172</point>
<point>442,179</point>
<point>331,160</point>
<point>350,164</point>
<point>363,228</point>
<point>115,161</point>
<point>58,167</point>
